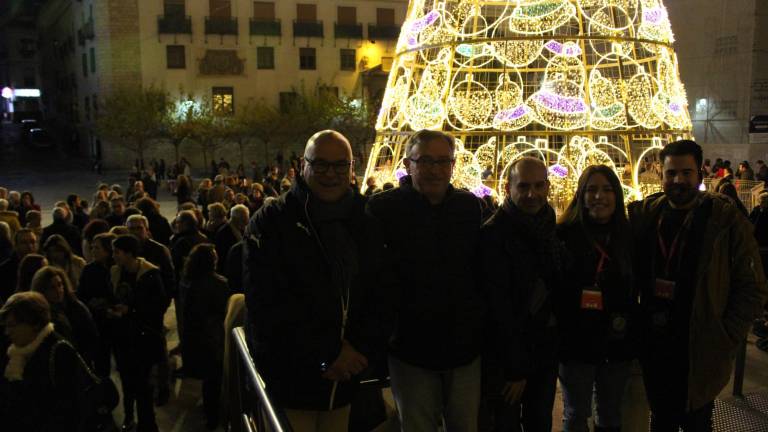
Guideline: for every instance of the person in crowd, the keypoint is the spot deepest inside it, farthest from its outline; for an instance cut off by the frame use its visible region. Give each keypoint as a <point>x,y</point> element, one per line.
<point>434,353</point>
<point>34,222</point>
<point>6,244</point>
<point>595,306</point>
<point>316,326</point>
<point>9,217</point>
<point>28,202</point>
<point>229,199</point>
<point>95,290</point>
<point>117,212</point>
<point>522,268</point>
<point>231,233</point>
<point>59,254</point>
<point>137,192</point>
<point>158,224</point>
<point>217,217</point>
<point>205,305</point>
<point>696,265</point>
<point>38,389</point>
<point>290,175</point>
<point>14,201</point>
<point>24,243</point>
<point>387,186</point>
<point>183,189</point>
<point>762,172</point>
<point>759,219</point>
<point>101,210</point>
<point>745,172</point>
<point>726,187</point>
<point>63,228</point>
<point>371,187</point>
<point>69,315</point>
<point>79,216</point>
<point>255,197</point>
<point>706,169</point>
<point>137,319</point>
<point>273,178</point>
<point>28,266</point>
<point>91,230</point>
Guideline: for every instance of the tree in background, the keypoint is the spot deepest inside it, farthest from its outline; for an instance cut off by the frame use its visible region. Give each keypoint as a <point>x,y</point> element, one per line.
<point>178,121</point>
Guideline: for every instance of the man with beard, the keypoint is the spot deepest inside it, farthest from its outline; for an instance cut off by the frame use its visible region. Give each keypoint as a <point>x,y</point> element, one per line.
<point>701,283</point>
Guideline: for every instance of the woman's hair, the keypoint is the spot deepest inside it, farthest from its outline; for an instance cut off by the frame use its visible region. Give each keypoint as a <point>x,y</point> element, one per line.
<point>28,194</point>
<point>28,266</point>
<point>43,279</point>
<point>105,240</point>
<point>100,209</point>
<point>29,308</point>
<point>576,210</point>
<point>119,230</point>
<point>93,228</point>
<point>200,262</point>
<point>147,206</point>
<point>217,211</point>
<point>56,240</point>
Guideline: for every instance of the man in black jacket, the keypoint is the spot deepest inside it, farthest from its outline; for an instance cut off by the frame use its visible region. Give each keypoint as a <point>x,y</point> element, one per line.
<point>313,276</point>
<point>230,233</point>
<point>64,228</point>
<point>521,269</point>
<point>432,232</point>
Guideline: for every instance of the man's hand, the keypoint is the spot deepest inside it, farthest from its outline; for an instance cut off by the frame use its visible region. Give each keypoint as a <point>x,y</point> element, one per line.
<point>349,363</point>
<point>513,391</point>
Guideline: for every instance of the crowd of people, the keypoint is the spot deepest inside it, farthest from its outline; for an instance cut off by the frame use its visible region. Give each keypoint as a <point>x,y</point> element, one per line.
<point>473,310</point>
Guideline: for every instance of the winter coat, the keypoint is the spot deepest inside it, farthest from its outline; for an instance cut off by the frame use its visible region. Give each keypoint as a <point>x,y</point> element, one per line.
<point>432,251</point>
<point>70,233</point>
<point>295,303</point>
<point>205,306</point>
<point>74,321</point>
<point>159,256</point>
<point>729,291</point>
<point>160,229</point>
<point>225,238</point>
<point>181,246</point>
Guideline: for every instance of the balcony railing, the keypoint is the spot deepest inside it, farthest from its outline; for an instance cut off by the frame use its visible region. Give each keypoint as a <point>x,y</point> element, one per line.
<point>221,25</point>
<point>174,24</point>
<point>350,31</point>
<point>80,37</point>
<point>308,29</point>
<point>87,29</point>
<point>377,32</point>
<point>266,28</point>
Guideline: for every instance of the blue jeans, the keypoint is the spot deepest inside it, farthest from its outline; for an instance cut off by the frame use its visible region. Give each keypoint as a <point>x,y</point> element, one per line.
<point>579,380</point>
<point>425,398</point>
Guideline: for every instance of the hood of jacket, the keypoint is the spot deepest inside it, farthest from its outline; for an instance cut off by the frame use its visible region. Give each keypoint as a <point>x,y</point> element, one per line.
<point>144,266</point>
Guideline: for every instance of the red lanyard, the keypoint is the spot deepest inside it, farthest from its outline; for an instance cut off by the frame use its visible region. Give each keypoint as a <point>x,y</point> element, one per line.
<point>670,253</point>
<point>601,263</point>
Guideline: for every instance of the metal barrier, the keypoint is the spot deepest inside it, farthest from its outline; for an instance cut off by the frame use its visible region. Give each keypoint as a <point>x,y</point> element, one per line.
<point>259,413</point>
<point>747,190</point>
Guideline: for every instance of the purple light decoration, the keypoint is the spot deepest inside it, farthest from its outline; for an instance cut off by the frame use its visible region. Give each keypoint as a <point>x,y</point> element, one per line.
<point>512,114</point>
<point>400,174</point>
<point>556,47</point>
<point>654,15</point>
<point>424,22</point>
<point>676,108</point>
<point>564,104</point>
<point>558,170</point>
<point>482,191</point>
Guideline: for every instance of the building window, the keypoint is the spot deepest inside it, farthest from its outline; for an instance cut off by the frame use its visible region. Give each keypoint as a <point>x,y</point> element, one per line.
<point>348,59</point>
<point>264,11</point>
<point>87,106</point>
<point>175,56</point>
<point>306,13</point>
<point>174,7</point>
<point>221,8</point>
<point>307,59</point>
<point>85,64</point>
<point>93,60</point>
<point>347,15</point>
<point>95,102</point>
<point>287,99</point>
<point>385,17</point>
<point>224,101</point>
<point>265,58</point>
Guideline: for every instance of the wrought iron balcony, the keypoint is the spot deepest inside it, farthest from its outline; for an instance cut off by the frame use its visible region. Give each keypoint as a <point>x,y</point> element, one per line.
<point>174,24</point>
<point>87,29</point>
<point>307,29</point>
<point>350,31</point>
<point>221,25</point>
<point>376,32</point>
<point>266,28</point>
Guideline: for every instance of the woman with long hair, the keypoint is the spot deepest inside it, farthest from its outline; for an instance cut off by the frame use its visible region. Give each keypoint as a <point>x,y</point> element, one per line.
<point>68,314</point>
<point>59,254</point>
<point>205,306</point>
<point>28,266</point>
<point>595,305</point>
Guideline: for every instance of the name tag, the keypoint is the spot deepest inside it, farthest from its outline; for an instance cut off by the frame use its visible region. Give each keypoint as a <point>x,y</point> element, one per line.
<point>664,289</point>
<point>591,299</point>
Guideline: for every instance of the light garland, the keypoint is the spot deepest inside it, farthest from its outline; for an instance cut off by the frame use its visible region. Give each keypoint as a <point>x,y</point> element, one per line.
<point>572,82</point>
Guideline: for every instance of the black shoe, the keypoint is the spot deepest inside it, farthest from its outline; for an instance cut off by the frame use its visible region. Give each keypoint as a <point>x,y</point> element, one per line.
<point>163,395</point>
<point>128,425</point>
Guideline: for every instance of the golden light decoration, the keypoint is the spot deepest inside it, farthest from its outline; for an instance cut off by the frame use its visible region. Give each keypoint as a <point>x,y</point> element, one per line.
<point>572,82</point>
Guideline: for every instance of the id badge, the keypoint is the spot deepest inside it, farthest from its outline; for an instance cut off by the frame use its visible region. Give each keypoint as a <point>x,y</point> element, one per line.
<point>591,299</point>
<point>664,289</point>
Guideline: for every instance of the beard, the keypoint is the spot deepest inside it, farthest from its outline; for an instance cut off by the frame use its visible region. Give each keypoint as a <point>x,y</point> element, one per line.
<point>681,194</point>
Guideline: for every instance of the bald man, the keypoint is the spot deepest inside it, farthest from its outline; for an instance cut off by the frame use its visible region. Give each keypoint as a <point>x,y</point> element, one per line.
<point>521,259</point>
<point>312,275</point>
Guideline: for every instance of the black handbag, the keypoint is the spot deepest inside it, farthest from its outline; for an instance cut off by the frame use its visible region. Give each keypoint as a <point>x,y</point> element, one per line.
<point>96,397</point>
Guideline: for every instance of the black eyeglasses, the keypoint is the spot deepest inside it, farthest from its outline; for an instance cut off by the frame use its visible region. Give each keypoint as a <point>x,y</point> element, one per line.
<point>321,166</point>
<point>426,161</point>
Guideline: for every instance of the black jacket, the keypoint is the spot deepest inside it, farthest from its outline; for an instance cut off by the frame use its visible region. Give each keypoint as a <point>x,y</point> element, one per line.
<point>433,251</point>
<point>160,229</point>
<point>521,275</point>
<point>593,336</point>
<point>224,239</point>
<point>9,276</point>
<point>295,306</point>
<point>205,306</point>
<point>70,233</point>
<point>181,246</point>
<point>160,256</point>
<point>234,268</point>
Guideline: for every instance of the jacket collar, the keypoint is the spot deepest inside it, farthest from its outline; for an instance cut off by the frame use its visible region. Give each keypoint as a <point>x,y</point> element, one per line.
<point>144,267</point>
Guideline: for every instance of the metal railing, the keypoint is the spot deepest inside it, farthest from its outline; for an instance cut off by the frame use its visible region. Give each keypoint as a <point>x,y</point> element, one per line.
<point>221,25</point>
<point>265,28</point>
<point>748,190</point>
<point>174,24</point>
<point>307,29</point>
<point>377,32</point>
<point>259,413</point>
<point>351,31</point>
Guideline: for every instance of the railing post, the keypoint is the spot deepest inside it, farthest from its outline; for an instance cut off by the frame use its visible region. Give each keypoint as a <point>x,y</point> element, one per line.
<point>738,374</point>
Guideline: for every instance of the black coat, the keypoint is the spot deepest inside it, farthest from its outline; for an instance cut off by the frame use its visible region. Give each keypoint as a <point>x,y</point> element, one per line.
<point>73,320</point>
<point>37,404</point>
<point>433,251</point>
<point>9,276</point>
<point>205,306</point>
<point>234,268</point>
<point>181,246</point>
<point>70,233</point>
<point>294,307</point>
<point>224,239</point>
<point>160,256</point>
<point>160,229</point>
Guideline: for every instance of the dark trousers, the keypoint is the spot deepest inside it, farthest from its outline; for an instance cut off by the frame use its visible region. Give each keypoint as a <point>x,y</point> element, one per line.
<point>212,395</point>
<point>137,388</point>
<point>534,411</point>
<point>699,420</point>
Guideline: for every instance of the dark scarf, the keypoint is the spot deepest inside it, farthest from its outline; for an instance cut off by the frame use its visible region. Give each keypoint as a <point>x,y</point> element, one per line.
<point>538,232</point>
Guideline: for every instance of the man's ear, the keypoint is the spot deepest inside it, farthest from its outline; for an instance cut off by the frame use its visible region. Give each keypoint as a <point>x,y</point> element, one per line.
<point>407,163</point>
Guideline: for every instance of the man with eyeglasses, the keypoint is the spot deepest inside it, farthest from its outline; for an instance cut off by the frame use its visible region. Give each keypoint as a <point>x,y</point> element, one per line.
<point>521,269</point>
<point>431,230</point>
<point>313,273</point>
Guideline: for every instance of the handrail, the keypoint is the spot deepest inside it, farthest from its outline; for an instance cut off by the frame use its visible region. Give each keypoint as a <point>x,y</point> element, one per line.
<point>273,417</point>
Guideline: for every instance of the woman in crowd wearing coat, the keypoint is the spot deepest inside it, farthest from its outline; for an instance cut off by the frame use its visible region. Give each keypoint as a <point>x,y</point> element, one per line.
<point>59,254</point>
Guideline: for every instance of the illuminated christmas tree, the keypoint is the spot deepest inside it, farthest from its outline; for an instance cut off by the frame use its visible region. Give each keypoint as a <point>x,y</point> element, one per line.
<point>573,82</point>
